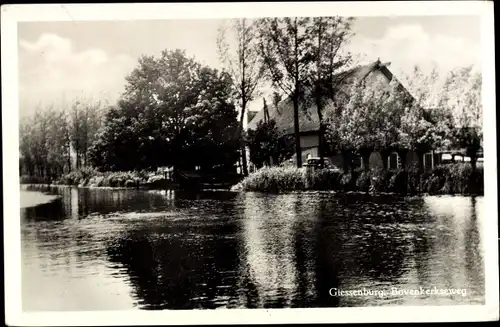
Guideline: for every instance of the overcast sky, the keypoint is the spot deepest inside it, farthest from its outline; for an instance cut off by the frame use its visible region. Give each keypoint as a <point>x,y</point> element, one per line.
<point>59,61</point>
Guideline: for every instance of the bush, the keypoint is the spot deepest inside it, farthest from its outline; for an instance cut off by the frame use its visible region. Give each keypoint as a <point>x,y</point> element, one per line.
<point>453,179</point>
<point>130,183</point>
<point>445,179</point>
<point>397,181</point>
<point>96,181</point>
<point>153,179</point>
<point>458,179</point>
<point>92,177</point>
<point>324,179</point>
<point>275,179</point>
<point>413,180</point>
<point>72,178</point>
<point>380,180</point>
<point>347,182</point>
<point>26,179</point>
<point>363,182</point>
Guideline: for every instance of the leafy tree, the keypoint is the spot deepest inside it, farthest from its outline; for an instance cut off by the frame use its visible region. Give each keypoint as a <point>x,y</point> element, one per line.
<point>338,130</point>
<point>265,142</point>
<point>286,57</point>
<point>85,117</point>
<point>214,136</point>
<point>44,145</point>
<point>368,122</point>
<point>174,113</point>
<point>243,65</point>
<point>452,116</point>
<point>385,118</point>
<point>421,134</point>
<point>327,36</point>
<point>462,96</point>
<point>118,145</point>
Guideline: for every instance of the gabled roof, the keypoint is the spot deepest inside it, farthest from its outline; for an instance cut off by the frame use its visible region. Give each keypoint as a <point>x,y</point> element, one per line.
<point>308,117</point>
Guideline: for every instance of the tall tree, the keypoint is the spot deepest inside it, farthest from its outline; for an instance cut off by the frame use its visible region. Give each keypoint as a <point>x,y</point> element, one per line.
<point>85,117</point>
<point>238,51</point>
<point>174,113</point>
<point>327,36</point>
<point>44,143</point>
<point>287,58</point>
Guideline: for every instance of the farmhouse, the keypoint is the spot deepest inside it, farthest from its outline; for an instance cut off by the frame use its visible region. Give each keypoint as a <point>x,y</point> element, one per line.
<point>309,121</point>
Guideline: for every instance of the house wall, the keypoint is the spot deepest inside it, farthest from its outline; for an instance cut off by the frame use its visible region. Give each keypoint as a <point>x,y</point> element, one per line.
<point>411,160</point>
<point>309,141</point>
<point>376,160</point>
<point>310,146</point>
<point>392,160</point>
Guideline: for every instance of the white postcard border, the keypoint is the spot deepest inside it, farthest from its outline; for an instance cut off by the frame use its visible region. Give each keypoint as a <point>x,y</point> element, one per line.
<point>13,14</point>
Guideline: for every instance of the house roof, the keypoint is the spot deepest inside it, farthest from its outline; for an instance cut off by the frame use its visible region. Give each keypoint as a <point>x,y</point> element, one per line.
<point>250,115</point>
<point>308,117</point>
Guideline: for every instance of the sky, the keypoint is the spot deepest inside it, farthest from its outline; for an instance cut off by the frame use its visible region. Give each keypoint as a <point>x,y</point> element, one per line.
<point>61,61</point>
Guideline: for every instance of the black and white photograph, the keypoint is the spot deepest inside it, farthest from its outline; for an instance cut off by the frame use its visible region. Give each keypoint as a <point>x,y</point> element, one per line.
<point>337,160</point>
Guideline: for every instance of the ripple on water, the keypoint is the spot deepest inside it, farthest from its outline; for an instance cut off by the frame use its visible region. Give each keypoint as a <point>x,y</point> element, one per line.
<point>136,250</point>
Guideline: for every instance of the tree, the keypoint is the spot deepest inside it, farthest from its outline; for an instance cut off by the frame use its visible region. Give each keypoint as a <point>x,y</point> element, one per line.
<point>243,65</point>
<point>44,144</point>
<point>214,131</point>
<point>85,118</point>
<point>462,96</point>
<point>420,134</point>
<point>367,122</point>
<point>266,143</point>
<point>444,115</point>
<point>174,113</point>
<point>286,57</point>
<point>261,142</point>
<point>118,145</point>
<point>327,36</point>
<point>338,130</point>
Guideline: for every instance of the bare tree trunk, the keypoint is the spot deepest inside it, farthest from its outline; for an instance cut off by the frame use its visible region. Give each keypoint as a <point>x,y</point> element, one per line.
<point>321,143</point>
<point>402,157</point>
<point>243,147</point>
<point>298,149</point>
<point>347,162</point>
<point>420,155</point>
<point>319,104</point>
<point>365,157</point>
<point>473,162</point>
<point>385,154</point>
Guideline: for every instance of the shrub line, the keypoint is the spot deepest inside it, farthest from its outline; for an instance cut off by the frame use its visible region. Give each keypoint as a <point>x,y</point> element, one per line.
<point>444,179</point>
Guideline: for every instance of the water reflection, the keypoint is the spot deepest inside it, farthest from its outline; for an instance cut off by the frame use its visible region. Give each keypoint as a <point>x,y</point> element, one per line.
<point>166,250</point>
<point>268,232</point>
<point>180,264</point>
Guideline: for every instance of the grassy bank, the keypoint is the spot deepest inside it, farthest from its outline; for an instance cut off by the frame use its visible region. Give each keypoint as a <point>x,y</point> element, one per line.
<point>88,177</point>
<point>445,179</point>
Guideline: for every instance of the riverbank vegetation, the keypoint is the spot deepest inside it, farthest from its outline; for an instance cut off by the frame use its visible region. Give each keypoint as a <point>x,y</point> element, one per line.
<point>90,177</point>
<point>443,179</point>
